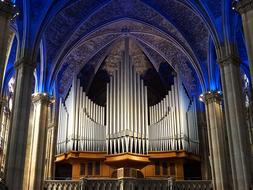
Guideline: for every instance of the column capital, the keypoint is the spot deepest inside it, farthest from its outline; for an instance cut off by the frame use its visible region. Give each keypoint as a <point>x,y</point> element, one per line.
<point>24,62</point>
<point>7,9</point>
<point>229,59</point>
<point>211,96</point>
<point>43,97</point>
<point>244,6</point>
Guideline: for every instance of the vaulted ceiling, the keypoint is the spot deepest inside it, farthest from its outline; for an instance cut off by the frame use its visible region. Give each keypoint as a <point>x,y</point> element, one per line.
<point>76,33</point>
<point>84,31</point>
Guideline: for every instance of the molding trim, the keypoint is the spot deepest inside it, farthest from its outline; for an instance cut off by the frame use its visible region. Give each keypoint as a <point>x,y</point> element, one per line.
<point>243,6</point>
<point>211,96</point>
<point>41,97</point>
<point>229,59</point>
<point>7,9</point>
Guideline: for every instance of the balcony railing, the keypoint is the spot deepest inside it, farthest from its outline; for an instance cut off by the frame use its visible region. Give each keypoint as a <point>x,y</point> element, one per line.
<point>61,185</point>
<point>192,185</point>
<point>127,184</point>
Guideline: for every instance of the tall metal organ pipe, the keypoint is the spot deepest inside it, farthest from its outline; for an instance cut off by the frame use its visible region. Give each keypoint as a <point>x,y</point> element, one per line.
<point>131,122</point>
<point>127,123</point>
<point>79,120</point>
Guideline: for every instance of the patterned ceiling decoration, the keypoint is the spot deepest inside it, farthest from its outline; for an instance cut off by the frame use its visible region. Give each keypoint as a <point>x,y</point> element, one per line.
<point>139,59</point>
<point>64,24</point>
<point>170,52</point>
<point>133,9</point>
<point>72,42</point>
<point>187,22</point>
<point>74,62</point>
<point>64,81</point>
<point>79,56</point>
<point>173,56</point>
<point>153,56</point>
<point>117,27</point>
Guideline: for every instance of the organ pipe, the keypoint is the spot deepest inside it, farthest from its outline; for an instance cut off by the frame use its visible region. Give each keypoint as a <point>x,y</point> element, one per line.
<point>131,136</point>
<point>173,122</point>
<point>127,123</point>
<point>80,122</point>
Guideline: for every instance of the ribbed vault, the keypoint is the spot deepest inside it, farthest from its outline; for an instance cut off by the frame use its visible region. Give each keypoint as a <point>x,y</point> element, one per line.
<point>157,46</point>
<point>84,32</point>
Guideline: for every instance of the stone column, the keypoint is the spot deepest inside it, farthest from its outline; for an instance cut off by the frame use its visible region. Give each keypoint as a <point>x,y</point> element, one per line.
<point>53,127</point>
<point>245,8</point>
<point>36,145</point>
<point>218,145</point>
<point>50,152</point>
<point>236,128</point>
<point>51,142</point>
<point>7,11</point>
<point>4,130</point>
<point>19,124</point>
<point>204,148</point>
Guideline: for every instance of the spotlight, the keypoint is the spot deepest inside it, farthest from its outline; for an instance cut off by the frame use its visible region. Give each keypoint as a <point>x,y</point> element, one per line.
<point>201,98</point>
<point>234,4</point>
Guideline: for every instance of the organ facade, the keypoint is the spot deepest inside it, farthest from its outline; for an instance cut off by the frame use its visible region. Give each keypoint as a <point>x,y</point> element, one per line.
<point>128,131</point>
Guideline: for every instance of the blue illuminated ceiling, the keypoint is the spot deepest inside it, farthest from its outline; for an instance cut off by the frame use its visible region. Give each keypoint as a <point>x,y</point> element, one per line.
<point>94,27</point>
<point>80,32</point>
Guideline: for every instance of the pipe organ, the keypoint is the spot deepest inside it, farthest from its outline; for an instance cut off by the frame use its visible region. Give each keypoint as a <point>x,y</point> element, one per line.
<point>127,124</point>
<point>127,108</point>
<point>81,122</point>
<point>173,122</point>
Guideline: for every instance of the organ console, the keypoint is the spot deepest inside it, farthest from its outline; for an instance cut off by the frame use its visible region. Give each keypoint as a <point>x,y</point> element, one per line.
<point>127,124</point>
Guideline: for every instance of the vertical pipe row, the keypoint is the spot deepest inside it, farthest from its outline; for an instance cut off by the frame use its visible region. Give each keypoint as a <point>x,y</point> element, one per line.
<point>76,114</point>
<point>60,128</point>
<point>173,121</point>
<point>142,117</point>
<point>80,122</point>
<point>128,125</point>
<point>116,144</point>
<point>177,112</point>
<point>131,107</point>
<point>114,122</point>
<point>135,118</point>
<point>73,123</point>
<point>139,112</point>
<point>110,113</point>
<point>80,118</point>
<point>146,120</point>
<point>114,103</point>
